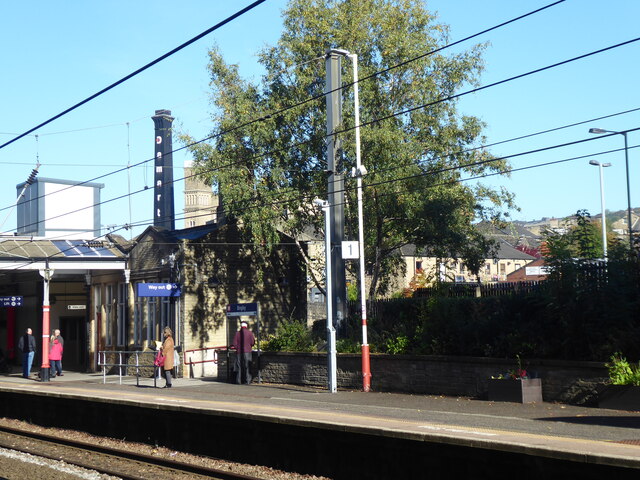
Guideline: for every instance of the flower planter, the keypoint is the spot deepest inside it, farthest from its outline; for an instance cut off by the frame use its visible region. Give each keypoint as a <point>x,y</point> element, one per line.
<point>620,397</point>
<point>519,391</point>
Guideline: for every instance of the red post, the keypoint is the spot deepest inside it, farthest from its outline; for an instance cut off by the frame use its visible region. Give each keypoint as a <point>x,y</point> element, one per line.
<point>44,371</point>
<point>366,369</point>
<point>46,277</point>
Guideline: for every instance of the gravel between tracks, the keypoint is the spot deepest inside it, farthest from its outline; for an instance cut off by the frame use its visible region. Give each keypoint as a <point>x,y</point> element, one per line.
<point>252,470</point>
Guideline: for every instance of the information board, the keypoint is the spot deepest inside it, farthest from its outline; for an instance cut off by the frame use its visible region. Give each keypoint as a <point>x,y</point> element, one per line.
<point>240,309</point>
<point>11,301</point>
<point>159,290</point>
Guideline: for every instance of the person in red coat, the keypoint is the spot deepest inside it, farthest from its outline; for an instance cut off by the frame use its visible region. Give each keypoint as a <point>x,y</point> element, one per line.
<point>243,343</point>
<point>55,356</point>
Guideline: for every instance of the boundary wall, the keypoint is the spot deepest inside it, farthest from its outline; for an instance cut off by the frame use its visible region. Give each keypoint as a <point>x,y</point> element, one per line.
<point>577,383</point>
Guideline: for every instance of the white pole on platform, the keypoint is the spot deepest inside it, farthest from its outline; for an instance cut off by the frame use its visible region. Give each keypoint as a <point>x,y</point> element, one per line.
<point>331,331</point>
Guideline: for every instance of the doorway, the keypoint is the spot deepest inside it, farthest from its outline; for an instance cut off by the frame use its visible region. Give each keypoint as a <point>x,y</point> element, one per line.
<point>75,343</point>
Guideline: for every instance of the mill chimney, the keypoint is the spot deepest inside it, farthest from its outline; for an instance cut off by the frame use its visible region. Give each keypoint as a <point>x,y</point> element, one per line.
<point>163,206</point>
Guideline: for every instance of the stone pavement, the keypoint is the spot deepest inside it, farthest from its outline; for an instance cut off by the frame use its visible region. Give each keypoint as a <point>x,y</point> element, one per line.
<point>601,436</point>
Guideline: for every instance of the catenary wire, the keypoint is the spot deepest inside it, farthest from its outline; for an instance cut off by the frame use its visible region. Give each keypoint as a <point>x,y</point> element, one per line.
<point>136,72</point>
<point>432,172</point>
<point>413,108</point>
<point>272,114</point>
<point>308,197</point>
<point>397,113</point>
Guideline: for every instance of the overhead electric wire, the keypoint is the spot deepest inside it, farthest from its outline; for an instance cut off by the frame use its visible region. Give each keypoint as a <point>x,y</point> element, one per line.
<point>371,122</point>
<point>484,87</point>
<point>393,115</point>
<point>448,182</point>
<point>383,182</point>
<point>433,172</point>
<point>278,112</point>
<point>555,129</point>
<point>457,42</point>
<point>504,157</point>
<point>267,116</point>
<point>136,72</point>
<point>456,96</point>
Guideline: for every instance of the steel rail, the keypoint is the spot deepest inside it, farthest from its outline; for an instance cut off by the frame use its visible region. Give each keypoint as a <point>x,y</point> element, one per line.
<point>173,465</point>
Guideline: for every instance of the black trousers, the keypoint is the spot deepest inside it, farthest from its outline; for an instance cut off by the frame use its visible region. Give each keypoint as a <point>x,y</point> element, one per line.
<point>167,376</point>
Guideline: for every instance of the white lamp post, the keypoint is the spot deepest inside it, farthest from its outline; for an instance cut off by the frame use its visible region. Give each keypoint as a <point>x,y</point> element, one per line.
<point>601,166</point>
<point>599,131</point>
<point>332,369</point>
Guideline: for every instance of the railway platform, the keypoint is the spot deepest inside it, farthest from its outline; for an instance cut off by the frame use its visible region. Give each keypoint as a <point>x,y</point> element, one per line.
<point>543,437</point>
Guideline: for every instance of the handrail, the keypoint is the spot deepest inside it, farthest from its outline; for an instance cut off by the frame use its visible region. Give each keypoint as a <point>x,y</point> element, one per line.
<point>102,362</point>
<point>214,359</point>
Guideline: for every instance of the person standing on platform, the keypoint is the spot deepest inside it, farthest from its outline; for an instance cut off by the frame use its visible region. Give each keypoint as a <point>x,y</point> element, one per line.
<point>243,343</point>
<point>56,333</point>
<point>167,350</point>
<point>27,345</point>
<point>55,356</point>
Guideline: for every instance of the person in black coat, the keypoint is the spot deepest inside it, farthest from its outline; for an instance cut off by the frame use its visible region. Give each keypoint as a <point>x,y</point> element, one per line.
<point>27,345</point>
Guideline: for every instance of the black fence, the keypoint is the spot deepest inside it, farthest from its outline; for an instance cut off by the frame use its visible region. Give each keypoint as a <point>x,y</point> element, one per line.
<point>479,290</point>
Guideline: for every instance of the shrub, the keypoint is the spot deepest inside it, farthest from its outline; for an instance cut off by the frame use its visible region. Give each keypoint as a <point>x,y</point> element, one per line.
<point>397,345</point>
<point>621,372</point>
<point>347,345</point>
<point>291,336</point>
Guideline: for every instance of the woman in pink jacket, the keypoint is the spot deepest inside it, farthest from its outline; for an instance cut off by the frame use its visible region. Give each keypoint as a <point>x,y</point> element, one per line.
<point>55,356</point>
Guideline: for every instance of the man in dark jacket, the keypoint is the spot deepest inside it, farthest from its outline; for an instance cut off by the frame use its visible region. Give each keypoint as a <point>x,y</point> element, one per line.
<point>27,345</point>
<point>243,344</point>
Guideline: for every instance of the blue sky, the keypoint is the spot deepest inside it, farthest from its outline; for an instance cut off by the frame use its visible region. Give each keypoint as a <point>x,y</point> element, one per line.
<point>55,54</point>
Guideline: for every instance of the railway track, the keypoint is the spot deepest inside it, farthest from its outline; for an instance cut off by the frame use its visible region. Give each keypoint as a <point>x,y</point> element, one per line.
<point>115,462</point>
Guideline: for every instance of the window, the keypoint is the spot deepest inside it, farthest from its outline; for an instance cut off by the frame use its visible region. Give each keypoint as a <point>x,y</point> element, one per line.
<point>138,320</point>
<point>487,268</point>
<point>121,321</point>
<point>108,306</point>
<point>97,305</point>
<point>151,318</point>
<point>419,265</point>
<point>165,313</point>
<point>503,269</point>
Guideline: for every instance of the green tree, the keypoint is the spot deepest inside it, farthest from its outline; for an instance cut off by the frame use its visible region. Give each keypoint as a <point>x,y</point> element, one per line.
<point>269,170</point>
<point>583,240</point>
<point>586,237</point>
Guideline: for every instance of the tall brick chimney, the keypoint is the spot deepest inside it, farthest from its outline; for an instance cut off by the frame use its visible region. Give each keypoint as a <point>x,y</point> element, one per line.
<point>163,206</point>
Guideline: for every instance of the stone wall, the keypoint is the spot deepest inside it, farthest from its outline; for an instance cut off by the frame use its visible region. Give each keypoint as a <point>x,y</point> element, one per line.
<point>562,381</point>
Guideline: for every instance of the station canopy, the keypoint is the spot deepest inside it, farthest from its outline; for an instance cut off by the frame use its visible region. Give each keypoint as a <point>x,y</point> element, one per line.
<point>74,256</point>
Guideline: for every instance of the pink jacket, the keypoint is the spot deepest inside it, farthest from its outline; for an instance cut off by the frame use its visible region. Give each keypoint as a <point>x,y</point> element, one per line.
<point>55,351</point>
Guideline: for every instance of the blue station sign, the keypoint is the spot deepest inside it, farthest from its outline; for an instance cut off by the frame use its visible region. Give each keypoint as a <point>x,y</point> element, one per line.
<point>159,290</point>
<point>240,309</point>
<point>11,301</point>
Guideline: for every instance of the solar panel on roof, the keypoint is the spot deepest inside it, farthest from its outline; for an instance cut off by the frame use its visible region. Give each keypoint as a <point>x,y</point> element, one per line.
<point>79,248</point>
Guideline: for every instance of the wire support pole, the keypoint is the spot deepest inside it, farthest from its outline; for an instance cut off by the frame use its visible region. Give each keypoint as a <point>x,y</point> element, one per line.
<point>359,172</point>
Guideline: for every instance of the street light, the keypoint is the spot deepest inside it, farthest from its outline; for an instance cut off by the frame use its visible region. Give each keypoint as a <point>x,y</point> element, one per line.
<point>601,166</point>
<point>599,131</point>
<point>332,365</point>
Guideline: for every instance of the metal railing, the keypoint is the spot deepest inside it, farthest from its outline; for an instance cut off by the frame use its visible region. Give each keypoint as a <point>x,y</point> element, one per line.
<point>121,361</point>
<point>214,359</point>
